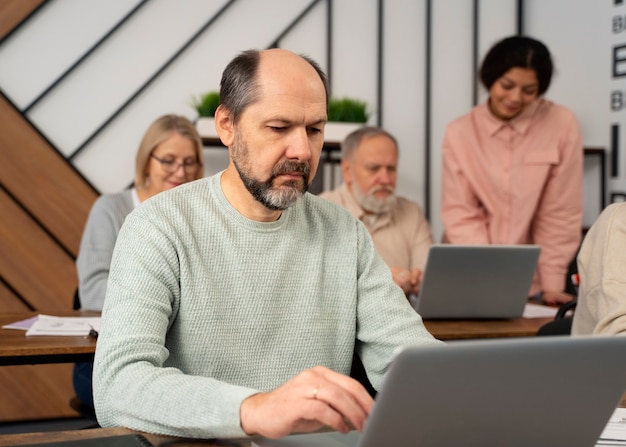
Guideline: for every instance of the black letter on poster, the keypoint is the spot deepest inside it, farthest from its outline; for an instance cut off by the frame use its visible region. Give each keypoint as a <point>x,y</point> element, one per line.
<point>619,61</point>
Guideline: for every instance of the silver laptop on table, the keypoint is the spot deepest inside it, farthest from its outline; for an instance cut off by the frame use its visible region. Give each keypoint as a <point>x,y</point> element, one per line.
<point>521,392</point>
<point>476,281</point>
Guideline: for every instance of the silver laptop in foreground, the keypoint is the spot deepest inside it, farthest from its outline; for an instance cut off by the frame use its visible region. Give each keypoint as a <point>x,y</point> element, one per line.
<point>543,391</point>
<point>476,281</point>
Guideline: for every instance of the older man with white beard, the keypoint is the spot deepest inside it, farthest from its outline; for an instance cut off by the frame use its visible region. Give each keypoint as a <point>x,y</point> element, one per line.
<point>398,227</point>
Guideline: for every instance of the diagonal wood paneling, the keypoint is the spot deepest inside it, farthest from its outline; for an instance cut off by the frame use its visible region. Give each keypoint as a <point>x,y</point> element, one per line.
<point>12,12</point>
<point>39,270</point>
<point>41,180</point>
<point>10,302</point>
<point>35,266</point>
<point>31,392</point>
<point>44,204</point>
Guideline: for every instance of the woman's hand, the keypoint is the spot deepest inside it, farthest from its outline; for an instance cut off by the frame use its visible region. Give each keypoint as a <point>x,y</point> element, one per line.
<point>555,298</point>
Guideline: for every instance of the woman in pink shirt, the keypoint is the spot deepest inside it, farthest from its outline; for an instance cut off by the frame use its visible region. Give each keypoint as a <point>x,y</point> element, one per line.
<point>513,166</point>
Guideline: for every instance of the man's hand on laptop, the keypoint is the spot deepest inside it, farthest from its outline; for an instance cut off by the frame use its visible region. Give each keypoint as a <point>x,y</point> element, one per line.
<point>313,399</point>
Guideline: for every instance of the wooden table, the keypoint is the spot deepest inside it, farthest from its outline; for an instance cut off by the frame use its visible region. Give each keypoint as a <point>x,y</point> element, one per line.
<point>70,435</point>
<point>34,438</point>
<point>469,329</point>
<point>18,349</point>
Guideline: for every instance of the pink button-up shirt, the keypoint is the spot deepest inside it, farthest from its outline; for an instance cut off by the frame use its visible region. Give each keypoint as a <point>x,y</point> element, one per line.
<point>516,182</point>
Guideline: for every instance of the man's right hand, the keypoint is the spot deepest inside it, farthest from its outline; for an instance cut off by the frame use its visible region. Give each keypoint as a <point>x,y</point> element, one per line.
<point>313,399</point>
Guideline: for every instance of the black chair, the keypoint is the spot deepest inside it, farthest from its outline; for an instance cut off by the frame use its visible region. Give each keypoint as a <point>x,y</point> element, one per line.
<point>76,303</point>
<point>562,323</point>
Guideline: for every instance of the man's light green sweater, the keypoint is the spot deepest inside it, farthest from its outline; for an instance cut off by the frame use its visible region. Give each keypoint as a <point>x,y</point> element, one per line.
<point>205,308</point>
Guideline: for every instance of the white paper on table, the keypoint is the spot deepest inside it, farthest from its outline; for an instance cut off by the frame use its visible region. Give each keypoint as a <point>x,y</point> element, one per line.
<point>615,431</point>
<point>49,325</point>
<point>533,310</point>
<point>22,325</point>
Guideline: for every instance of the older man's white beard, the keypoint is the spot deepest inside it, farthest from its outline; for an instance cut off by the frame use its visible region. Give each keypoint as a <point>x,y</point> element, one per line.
<point>369,202</point>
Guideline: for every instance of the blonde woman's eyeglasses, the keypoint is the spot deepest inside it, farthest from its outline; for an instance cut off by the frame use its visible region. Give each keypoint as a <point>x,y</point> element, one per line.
<point>171,165</point>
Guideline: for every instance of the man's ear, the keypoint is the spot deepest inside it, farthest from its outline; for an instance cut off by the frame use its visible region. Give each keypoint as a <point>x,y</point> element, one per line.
<point>224,126</point>
<point>346,171</point>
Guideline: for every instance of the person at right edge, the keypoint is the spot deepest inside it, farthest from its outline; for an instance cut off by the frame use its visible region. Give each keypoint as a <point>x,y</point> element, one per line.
<point>601,306</point>
<point>513,166</point>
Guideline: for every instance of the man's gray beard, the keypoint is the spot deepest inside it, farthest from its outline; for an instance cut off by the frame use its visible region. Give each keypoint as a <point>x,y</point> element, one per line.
<point>371,203</point>
<point>276,198</point>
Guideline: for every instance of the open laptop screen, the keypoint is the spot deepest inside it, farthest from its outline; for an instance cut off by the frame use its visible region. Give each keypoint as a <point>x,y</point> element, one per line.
<point>476,281</point>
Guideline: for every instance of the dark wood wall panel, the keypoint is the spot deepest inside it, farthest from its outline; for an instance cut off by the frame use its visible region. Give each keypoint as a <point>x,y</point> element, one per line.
<point>44,205</point>
<point>33,392</point>
<point>40,271</point>
<point>9,301</point>
<point>41,180</point>
<point>12,12</point>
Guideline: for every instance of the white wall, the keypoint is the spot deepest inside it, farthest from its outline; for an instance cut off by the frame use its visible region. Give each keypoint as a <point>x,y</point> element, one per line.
<point>580,39</point>
<point>578,32</point>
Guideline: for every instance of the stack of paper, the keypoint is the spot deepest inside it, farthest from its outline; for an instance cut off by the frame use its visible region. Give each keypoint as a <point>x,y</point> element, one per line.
<point>533,310</point>
<point>615,431</point>
<point>49,325</point>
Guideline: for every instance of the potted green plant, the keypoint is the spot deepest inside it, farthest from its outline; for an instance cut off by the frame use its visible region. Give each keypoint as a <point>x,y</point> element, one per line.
<point>344,116</point>
<point>205,105</point>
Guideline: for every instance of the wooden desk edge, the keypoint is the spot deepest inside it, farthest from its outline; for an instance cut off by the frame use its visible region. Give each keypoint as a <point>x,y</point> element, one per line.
<point>474,329</point>
<point>18,349</point>
<point>94,433</point>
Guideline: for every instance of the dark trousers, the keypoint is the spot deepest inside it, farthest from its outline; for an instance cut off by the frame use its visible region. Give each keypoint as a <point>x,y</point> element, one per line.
<point>82,383</point>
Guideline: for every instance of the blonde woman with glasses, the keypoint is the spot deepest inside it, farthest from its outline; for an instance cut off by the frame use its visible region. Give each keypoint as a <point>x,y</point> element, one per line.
<point>169,155</point>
